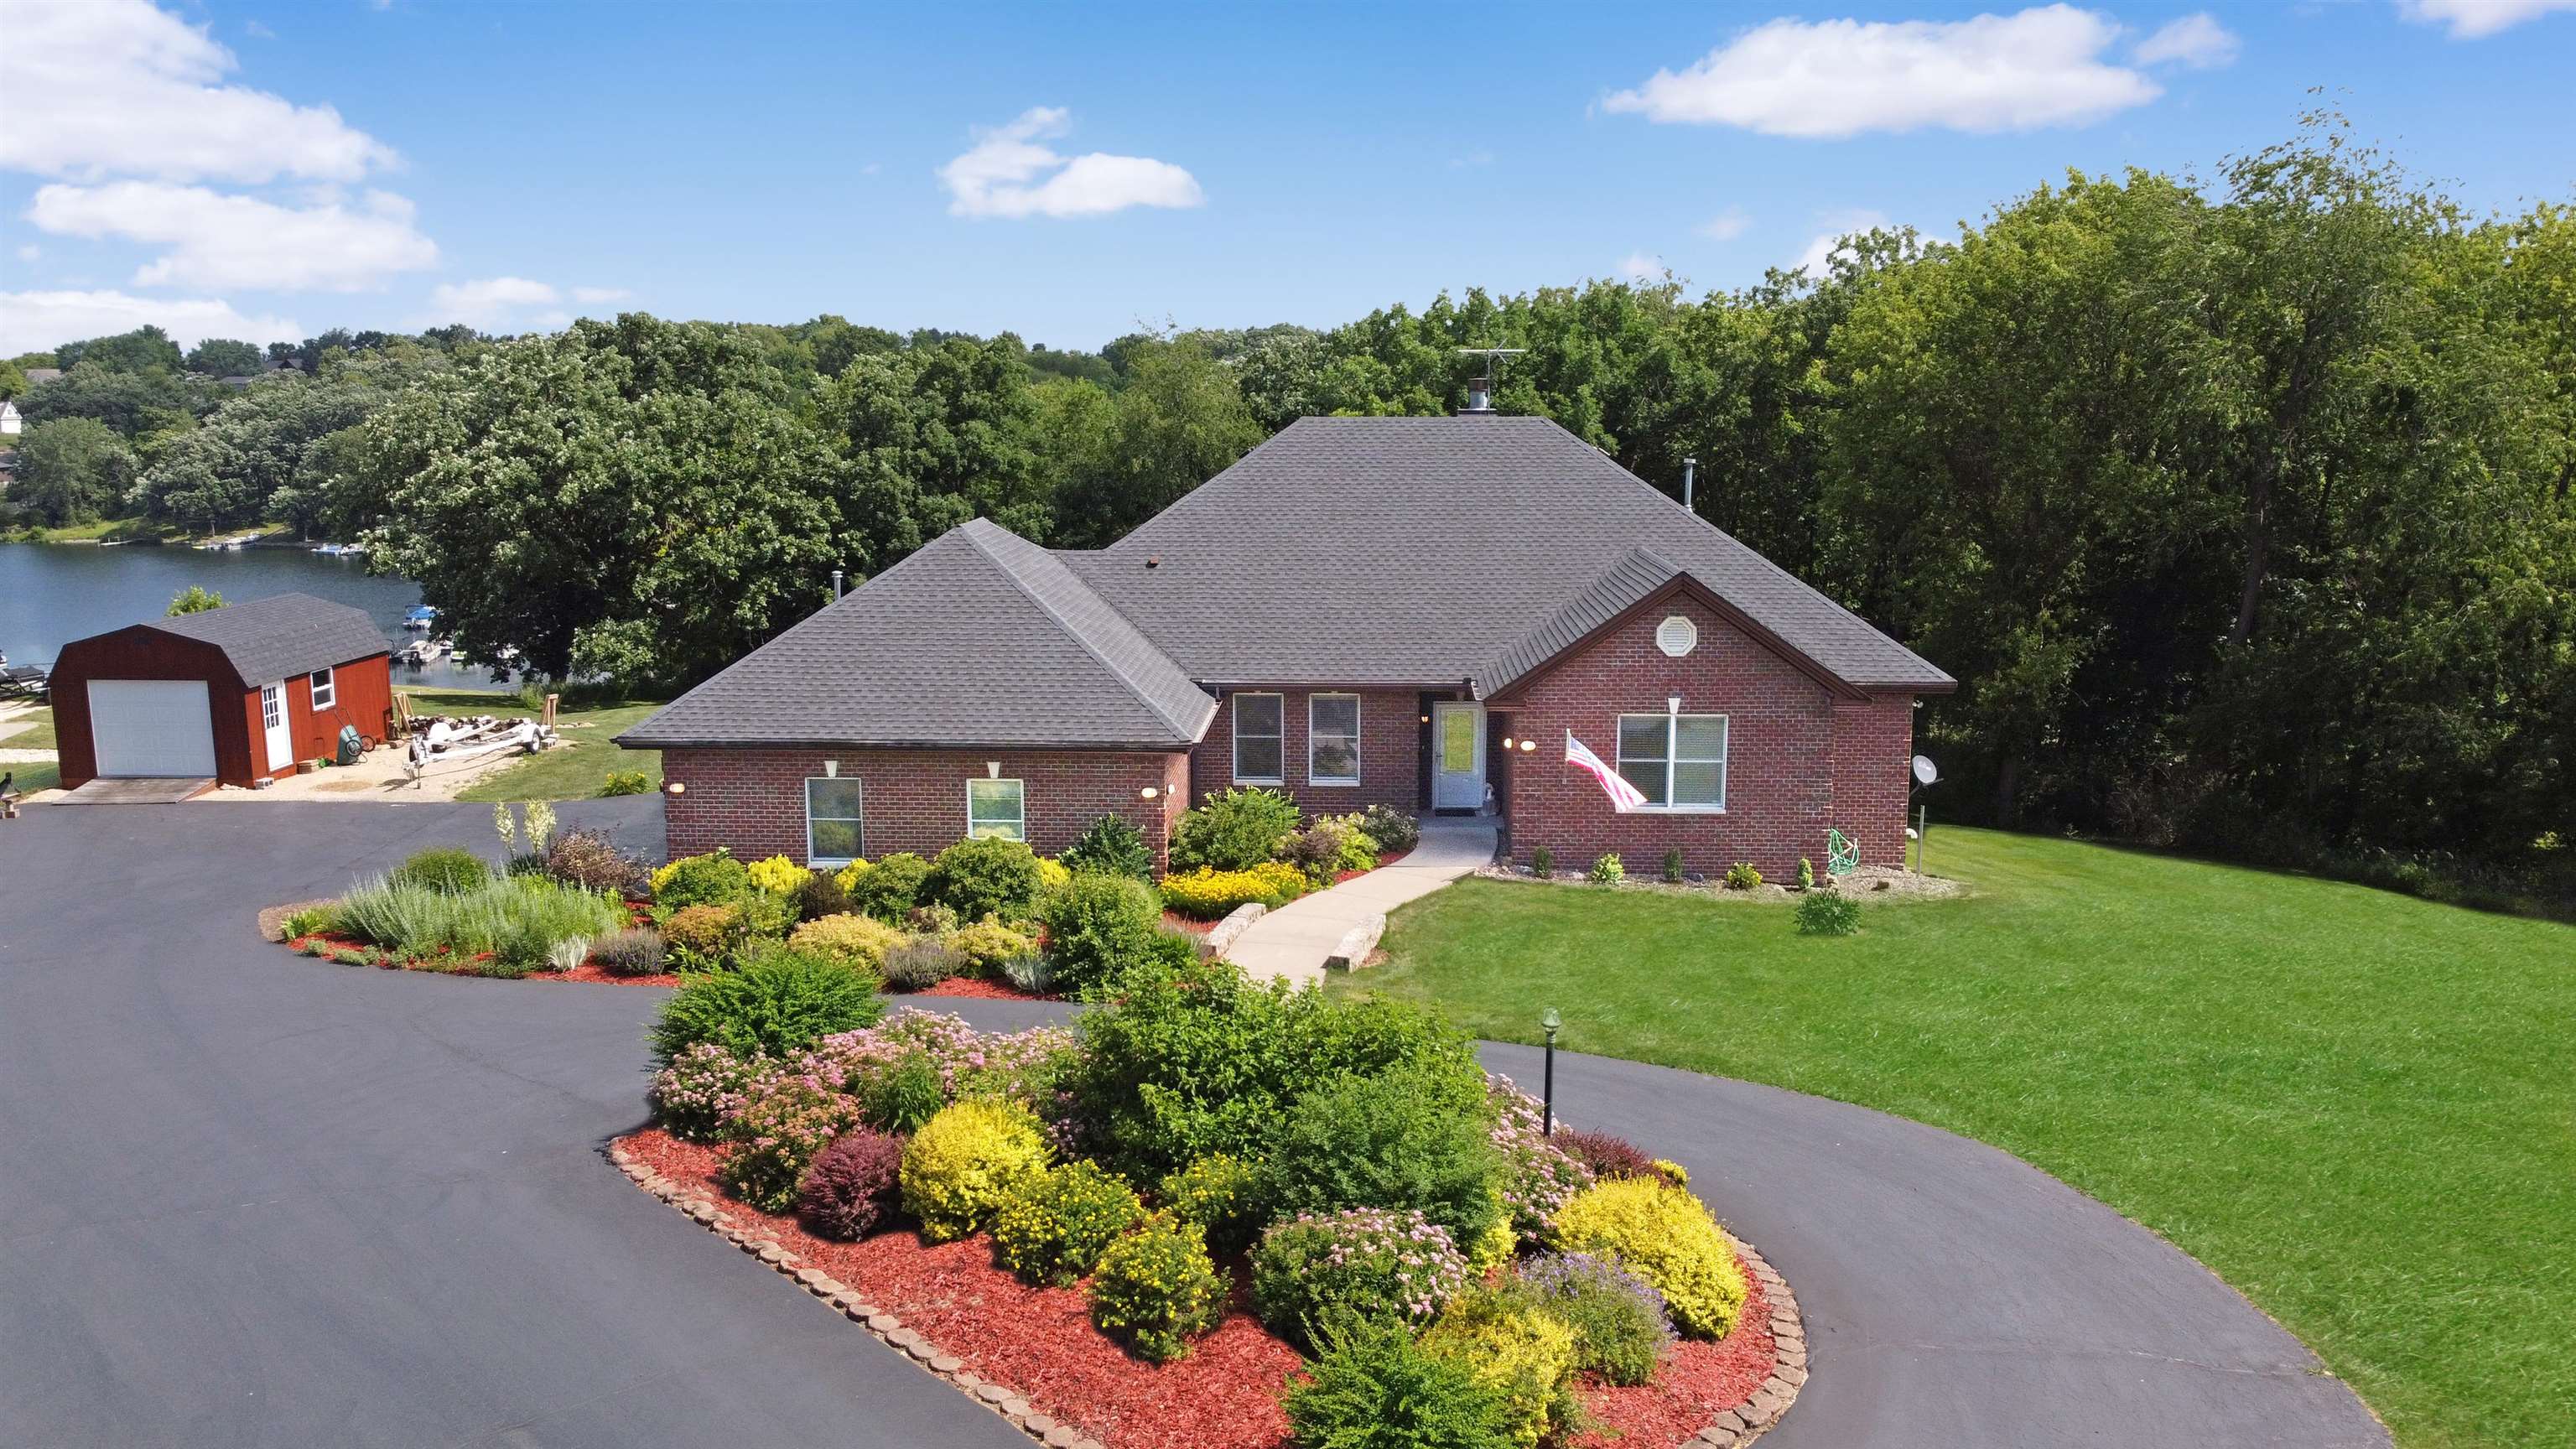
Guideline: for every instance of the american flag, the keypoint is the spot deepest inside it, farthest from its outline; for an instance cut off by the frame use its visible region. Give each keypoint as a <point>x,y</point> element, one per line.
<point>1624,797</point>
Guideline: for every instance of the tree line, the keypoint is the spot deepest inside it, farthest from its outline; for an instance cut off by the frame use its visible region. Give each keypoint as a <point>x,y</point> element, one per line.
<point>2240,506</point>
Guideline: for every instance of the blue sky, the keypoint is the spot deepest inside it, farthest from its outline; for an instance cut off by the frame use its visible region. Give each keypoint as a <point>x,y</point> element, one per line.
<point>260,167</point>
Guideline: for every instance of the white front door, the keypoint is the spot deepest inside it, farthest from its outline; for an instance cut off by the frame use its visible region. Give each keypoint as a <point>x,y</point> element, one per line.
<point>1458,756</point>
<point>272,719</point>
<point>151,728</point>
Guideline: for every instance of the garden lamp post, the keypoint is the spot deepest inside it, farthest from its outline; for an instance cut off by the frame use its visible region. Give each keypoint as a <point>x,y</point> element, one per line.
<point>1550,1023</point>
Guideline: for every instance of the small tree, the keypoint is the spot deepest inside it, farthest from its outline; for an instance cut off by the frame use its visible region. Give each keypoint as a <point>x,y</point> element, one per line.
<point>197,600</point>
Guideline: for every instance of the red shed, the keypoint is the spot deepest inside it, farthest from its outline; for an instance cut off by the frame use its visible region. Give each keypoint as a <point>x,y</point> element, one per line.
<point>228,696</point>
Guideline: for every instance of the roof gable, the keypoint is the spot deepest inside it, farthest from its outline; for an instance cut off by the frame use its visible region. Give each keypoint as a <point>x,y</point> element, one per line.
<point>266,640</point>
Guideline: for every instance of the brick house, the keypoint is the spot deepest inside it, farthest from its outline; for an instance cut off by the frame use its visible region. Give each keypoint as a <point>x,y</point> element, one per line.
<point>1414,612</point>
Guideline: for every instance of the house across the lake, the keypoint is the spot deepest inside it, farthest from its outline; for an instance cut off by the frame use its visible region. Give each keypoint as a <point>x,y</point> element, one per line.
<point>1414,612</point>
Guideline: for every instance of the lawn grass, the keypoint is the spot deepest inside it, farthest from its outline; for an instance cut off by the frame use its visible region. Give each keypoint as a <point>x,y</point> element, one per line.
<point>576,771</point>
<point>2357,1107</point>
<point>34,730</point>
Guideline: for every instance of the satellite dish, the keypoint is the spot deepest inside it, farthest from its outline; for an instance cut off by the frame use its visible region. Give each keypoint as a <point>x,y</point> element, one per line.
<point>1924,773</point>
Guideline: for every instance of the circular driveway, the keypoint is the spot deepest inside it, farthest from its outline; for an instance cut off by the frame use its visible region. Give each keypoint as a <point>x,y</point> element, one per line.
<point>254,1199</point>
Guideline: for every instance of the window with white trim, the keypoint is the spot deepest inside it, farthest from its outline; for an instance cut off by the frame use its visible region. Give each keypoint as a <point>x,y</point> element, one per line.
<point>1260,739</point>
<point>326,689</point>
<point>1677,761</point>
<point>272,706</point>
<point>1332,739</point>
<point>997,807</point>
<point>835,825</point>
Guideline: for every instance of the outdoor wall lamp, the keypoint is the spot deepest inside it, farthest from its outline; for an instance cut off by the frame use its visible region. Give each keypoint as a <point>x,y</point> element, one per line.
<point>1528,745</point>
<point>1507,742</point>
<point>1549,1023</point>
<point>679,789</point>
<point>1149,792</point>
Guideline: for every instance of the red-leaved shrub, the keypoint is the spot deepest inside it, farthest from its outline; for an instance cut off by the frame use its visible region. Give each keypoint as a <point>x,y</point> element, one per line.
<point>852,1184</point>
<point>1606,1155</point>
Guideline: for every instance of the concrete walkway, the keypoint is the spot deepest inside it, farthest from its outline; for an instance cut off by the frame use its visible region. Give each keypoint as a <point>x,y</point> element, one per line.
<point>1294,941</point>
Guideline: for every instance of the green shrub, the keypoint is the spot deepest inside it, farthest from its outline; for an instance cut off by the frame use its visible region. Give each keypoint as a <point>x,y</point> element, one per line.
<point>1362,1263</point>
<point>780,1002</point>
<point>889,889</point>
<point>1405,1140</point>
<point>819,895</point>
<point>903,1096</point>
<point>443,869</point>
<point>984,876</point>
<point>1526,1356</point>
<point>918,965</point>
<point>854,940</point>
<point>1827,913</point>
<point>1206,895</point>
<point>705,937</point>
<point>965,1162</point>
<point>1672,867</point>
<point>592,861</point>
<point>1215,1195</point>
<point>1664,1235</point>
<point>985,948</point>
<point>1054,1226</point>
<point>1330,846</point>
<point>1372,1386</point>
<point>628,953</point>
<point>1606,870</point>
<point>1235,830</point>
<point>1620,1327</point>
<point>1098,927</point>
<point>1741,876</point>
<point>776,1134</point>
<point>1806,874</point>
<point>311,921</point>
<point>714,879</point>
<point>1391,830</point>
<point>627,782</point>
<point>1111,847</point>
<point>1543,862</point>
<point>1156,1290</point>
<point>518,920</point>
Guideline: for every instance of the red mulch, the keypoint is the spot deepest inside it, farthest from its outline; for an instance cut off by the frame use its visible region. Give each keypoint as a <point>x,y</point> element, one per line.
<point>1038,1342</point>
<point>981,989</point>
<point>587,972</point>
<point>1225,1394</point>
<point>1175,921</point>
<point>445,965</point>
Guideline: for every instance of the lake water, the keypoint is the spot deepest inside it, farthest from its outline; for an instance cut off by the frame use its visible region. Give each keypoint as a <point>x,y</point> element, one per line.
<point>52,593</point>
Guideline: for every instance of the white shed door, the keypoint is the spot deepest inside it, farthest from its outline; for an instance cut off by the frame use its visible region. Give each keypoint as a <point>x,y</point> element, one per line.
<point>151,727</point>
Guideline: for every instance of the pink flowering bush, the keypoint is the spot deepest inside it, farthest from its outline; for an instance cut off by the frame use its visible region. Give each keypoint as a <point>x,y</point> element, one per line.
<point>776,1134</point>
<point>1366,1263</point>
<point>1538,1176</point>
<point>704,1085</point>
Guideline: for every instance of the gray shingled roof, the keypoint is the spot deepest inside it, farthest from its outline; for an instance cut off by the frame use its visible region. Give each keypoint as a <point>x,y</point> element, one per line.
<point>981,639</point>
<point>1421,550</point>
<point>268,639</point>
<point>1637,574</point>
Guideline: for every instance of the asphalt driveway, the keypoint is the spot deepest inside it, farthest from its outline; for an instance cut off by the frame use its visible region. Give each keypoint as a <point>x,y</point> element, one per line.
<point>247,1198</point>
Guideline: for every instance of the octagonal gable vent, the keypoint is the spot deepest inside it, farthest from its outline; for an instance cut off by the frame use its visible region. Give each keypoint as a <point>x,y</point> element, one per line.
<point>1677,636</point>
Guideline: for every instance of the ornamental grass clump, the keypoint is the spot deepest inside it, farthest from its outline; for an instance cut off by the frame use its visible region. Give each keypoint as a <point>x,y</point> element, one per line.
<point>776,1134</point>
<point>636,952</point>
<point>1664,1235</point>
<point>918,965</point>
<point>1055,1225</point>
<point>1621,1328</point>
<point>1522,1353</point>
<point>965,1162</point>
<point>1156,1289</point>
<point>518,919</point>
<point>852,1185</point>
<point>1373,1386</point>
<point>1317,1268</point>
<point>705,1084</point>
<point>779,1003</point>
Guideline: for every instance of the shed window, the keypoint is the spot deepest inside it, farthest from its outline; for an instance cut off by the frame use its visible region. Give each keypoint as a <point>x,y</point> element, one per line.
<point>1332,739</point>
<point>997,807</point>
<point>1677,761</point>
<point>1260,749</point>
<point>326,690</point>
<point>835,830</point>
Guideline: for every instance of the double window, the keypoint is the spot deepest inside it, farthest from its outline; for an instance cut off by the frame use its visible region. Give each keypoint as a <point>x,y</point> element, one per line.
<point>1260,739</point>
<point>997,807</point>
<point>1677,761</point>
<point>325,690</point>
<point>835,832</point>
<point>1332,739</point>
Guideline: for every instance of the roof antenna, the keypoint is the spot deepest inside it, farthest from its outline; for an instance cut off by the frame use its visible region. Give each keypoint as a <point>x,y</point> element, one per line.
<point>1480,391</point>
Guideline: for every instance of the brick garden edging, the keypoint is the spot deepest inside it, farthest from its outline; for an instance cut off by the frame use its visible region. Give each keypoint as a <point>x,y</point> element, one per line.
<point>1739,1425</point>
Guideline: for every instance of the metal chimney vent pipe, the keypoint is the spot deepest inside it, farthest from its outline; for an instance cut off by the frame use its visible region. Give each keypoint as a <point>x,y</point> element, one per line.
<point>1690,471</point>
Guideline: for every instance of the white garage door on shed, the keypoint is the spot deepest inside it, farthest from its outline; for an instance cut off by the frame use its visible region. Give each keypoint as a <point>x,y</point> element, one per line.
<point>151,727</point>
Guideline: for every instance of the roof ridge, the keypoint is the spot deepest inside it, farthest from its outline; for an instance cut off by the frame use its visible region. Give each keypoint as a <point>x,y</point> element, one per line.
<point>1072,630</point>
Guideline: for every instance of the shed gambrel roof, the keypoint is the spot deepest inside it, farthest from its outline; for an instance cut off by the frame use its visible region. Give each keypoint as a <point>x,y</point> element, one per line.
<point>265,640</point>
<point>980,639</point>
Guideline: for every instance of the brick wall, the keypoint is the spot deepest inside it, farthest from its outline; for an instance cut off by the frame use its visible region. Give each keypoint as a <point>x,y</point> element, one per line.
<point>1390,754</point>
<point>752,801</point>
<point>1796,763</point>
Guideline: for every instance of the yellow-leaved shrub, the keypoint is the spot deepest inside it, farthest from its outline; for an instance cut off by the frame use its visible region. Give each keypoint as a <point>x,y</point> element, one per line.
<point>857,940</point>
<point>848,878</point>
<point>965,1161</point>
<point>1525,1356</point>
<point>778,875</point>
<point>1664,1235</point>
<point>1205,894</point>
<point>1053,874</point>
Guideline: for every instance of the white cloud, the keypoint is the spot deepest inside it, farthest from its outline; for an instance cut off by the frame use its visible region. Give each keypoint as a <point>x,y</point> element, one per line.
<point>1641,266</point>
<point>2196,40</point>
<point>34,320</point>
<point>105,87</point>
<point>999,175</point>
<point>596,295</point>
<point>2472,19</point>
<point>220,240</point>
<point>1835,78</point>
<point>1727,225</point>
<point>492,300</point>
<point>1818,258</point>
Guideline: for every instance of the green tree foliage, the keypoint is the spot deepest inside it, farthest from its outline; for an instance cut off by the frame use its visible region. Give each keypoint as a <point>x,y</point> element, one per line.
<point>269,450</point>
<point>145,349</point>
<point>135,404</point>
<point>225,357</point>
<point>930,437</point>
<point>13,379</point>
<point>197,600</point>
<point>1178,420</point>
<point>71,470</point>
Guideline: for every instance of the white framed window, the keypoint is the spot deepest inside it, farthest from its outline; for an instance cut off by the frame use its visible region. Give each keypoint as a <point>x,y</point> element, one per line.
<point>835,825</point>
<point>997,807</point>
<point>1260,739</point>
<point>272,706</point>
<point>1332,739</point>
<point>326,690</point>
<point>1677,761</point>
